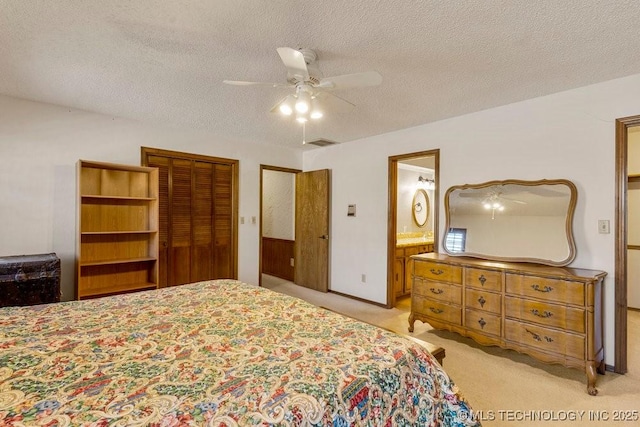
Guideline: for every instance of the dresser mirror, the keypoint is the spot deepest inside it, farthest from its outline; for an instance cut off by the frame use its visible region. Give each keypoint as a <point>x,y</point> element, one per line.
<point>420,207</point>
<point>512,220</point>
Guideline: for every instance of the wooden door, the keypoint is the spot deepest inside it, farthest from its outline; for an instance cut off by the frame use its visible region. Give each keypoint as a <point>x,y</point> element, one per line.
<point>224,214</point>
<point>312,230</point>
<point>633,242</point>
<point>198,207</point>
<point>180,226</point>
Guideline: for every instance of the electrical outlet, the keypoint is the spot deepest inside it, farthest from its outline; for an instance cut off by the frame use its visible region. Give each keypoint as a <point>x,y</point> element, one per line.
<point>603,226</point>
<point>364,278</point>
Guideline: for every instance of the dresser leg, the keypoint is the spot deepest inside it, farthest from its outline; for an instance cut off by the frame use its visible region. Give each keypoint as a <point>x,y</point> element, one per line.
<point>412,320</point>
<point>591,378</point>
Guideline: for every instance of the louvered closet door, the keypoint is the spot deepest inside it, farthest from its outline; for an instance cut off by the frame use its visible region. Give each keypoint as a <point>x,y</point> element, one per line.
<point>163,165</point>
<point>180,243</point>
<point>224,252</point>
<point>197,228</point>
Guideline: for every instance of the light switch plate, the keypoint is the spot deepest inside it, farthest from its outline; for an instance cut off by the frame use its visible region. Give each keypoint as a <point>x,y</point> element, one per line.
<point>603,226</point>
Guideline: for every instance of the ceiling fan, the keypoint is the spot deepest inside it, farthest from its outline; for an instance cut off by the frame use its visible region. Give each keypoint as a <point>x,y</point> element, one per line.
<point>311,92</point>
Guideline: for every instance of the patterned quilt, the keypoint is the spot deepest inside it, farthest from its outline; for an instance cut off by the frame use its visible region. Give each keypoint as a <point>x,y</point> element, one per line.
<point>215,353</point>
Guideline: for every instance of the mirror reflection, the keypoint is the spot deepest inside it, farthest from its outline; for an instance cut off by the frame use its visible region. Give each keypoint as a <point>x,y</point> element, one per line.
<point>512,220</point>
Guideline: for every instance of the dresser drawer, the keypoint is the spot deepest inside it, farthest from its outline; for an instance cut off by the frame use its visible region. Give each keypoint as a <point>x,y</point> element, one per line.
<point>483,279</point>
<point>555,290</point>
<point>438,291</point>
<point>482,300</point>
<point>436,310</point>
<point>549,340</point>
<point>439,272</point>
<point>483,322</point>
<point>555,315</point>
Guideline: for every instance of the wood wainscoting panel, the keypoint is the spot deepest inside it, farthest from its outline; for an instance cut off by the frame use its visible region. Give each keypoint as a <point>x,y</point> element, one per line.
<point>276,257</point>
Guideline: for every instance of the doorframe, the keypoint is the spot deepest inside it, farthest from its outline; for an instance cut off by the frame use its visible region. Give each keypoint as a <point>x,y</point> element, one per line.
<point>621,229</point>
<point>276,169</point>
<point>392,217</point>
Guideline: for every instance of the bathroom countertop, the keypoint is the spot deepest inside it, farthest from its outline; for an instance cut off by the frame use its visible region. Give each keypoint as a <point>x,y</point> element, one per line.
<point>413,241</point>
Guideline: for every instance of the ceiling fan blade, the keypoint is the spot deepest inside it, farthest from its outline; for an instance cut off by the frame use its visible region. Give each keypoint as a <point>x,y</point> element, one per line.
<point>294,61</point>
<point>347,81</point>
<point>331,102</point>
<point>276,107</point>
<point>242,83</point>
<point>521,202</point>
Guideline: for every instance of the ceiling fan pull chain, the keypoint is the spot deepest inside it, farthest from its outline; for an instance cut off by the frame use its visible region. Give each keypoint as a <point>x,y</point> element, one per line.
<point>304,133</point>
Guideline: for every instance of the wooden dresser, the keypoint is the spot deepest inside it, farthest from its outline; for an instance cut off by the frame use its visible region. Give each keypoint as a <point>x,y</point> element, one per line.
<point>551,313</point>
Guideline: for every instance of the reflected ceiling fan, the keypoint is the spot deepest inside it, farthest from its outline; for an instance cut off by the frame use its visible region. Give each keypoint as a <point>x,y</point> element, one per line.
<point>493,200</point>
<point>311,93</point>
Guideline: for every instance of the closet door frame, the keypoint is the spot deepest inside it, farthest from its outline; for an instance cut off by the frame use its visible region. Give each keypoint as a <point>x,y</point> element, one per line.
<point>145,152</point>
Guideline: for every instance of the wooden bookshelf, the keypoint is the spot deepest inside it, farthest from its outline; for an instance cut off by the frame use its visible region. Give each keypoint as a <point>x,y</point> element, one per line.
<point>117,226</point>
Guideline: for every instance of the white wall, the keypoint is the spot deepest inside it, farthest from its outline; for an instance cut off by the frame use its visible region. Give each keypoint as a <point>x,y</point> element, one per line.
<point>566,135</point>
<point>40,145</point>
<point>278,204</point>
<point>407,186</point>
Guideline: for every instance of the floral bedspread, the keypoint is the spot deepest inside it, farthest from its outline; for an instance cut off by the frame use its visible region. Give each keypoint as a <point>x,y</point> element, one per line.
<point>215,353</point>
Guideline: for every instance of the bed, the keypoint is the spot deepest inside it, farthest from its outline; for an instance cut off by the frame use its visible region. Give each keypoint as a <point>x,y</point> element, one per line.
<point>216,353</point>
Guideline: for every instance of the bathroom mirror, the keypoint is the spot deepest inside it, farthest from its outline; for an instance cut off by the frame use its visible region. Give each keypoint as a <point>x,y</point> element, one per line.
<point>420,207</point>
<point>512,220</point>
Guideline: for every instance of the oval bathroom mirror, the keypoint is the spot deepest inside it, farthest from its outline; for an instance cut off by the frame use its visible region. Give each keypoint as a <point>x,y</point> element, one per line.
<point>421,207</point>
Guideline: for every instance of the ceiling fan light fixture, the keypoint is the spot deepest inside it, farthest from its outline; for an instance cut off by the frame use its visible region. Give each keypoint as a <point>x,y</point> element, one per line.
<point>302,117</point>
<point>286,107</point>
<point>316,111</point>
<point>303,102</point>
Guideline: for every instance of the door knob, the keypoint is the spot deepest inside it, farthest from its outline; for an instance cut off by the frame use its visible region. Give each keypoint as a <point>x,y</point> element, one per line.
<point>325,237</point>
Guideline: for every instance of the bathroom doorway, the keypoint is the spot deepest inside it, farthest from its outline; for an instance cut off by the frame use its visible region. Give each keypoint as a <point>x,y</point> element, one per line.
<point>413,218</point>
<point>626,246</point>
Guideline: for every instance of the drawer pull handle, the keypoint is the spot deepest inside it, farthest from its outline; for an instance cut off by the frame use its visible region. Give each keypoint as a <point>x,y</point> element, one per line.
<point>481,300</point>
<point>436,291</point>
<point>538,338</point>
<point>482,323</point>
<point>545,314</point>
<point>482,279</point>
<point>436,310</point>
<point>545,289</point>
<point>436,272</point>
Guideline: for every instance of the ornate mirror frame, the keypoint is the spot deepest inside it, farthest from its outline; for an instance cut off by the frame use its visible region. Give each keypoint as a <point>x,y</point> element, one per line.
<point>420,207</point>
<point>488,186</point>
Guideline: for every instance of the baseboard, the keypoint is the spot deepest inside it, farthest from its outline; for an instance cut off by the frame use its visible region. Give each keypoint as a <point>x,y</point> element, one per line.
<point>359,299</point>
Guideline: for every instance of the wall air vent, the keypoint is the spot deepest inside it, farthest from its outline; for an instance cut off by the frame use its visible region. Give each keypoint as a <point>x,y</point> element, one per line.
<point>322,142</point>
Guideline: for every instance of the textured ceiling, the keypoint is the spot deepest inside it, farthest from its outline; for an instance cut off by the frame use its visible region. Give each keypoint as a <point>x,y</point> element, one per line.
<point>164,61</point>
